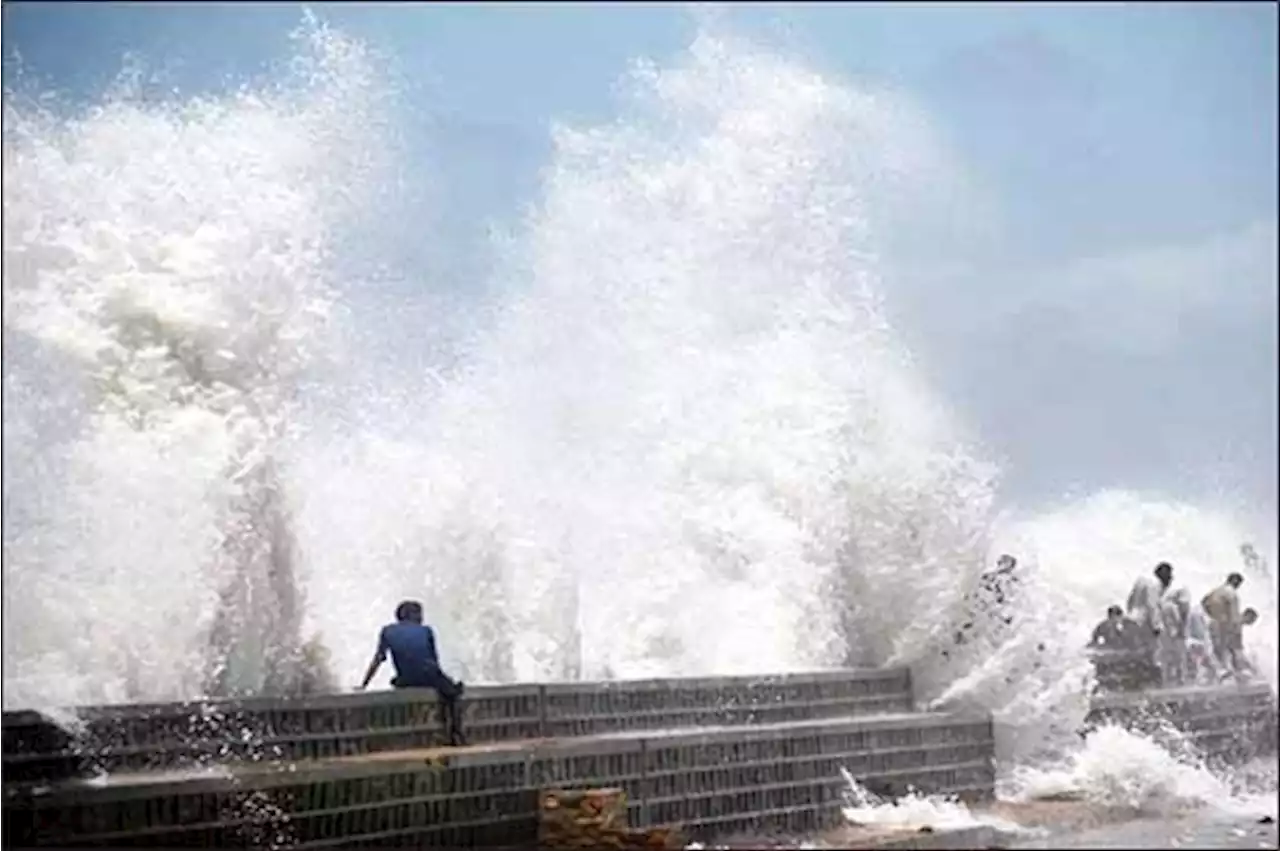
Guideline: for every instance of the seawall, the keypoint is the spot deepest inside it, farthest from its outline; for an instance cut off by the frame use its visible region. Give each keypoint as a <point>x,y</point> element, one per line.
<point>1228,723</point>
<point>714,757</point>
<point>141,737</point>
<point>709,782</point>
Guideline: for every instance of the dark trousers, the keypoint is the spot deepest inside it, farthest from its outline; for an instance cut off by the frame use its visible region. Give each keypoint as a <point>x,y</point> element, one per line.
<point>448,692</point>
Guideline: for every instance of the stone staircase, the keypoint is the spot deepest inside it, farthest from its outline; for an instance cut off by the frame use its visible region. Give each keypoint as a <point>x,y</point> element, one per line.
<point>712,757</point>
<point>139,737</point>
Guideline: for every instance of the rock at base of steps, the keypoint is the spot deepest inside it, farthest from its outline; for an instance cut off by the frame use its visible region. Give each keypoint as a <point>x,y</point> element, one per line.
<point>595,818</point>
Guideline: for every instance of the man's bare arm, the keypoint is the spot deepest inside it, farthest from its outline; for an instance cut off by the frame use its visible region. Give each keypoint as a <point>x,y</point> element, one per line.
<point>379,656</point>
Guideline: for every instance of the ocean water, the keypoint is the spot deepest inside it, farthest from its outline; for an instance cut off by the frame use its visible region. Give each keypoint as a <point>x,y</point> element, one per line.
<point>682,437</point>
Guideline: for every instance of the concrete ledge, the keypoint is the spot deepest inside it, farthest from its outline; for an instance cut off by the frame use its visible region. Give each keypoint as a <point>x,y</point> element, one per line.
<point>317,727</point>
<point>1228,723</point>
<point>1250,694</point>
<point>711,782</point>
<point>926,731</point>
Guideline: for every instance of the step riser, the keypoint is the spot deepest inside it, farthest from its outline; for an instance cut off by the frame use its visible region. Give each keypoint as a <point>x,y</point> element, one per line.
<point>136,738</point>
<point>712,782</point>
<point>1229,724</point>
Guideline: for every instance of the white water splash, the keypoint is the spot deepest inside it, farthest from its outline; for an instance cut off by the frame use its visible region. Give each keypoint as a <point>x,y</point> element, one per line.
<point>686,409</point>
<point>916,811</point>
<point>1076,561</point>
<point>160,311</point>
<point>1119,768</point>
<point>690,410</point>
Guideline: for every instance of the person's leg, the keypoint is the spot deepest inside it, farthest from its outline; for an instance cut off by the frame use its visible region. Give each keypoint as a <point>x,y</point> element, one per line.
<point>1172,666</point>
<point>448,693</point>
<point>1236,642</point>
<point>1215,646</point>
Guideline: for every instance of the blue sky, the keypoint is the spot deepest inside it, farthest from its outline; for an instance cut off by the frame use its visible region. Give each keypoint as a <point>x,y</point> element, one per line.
<point>1112,137</point>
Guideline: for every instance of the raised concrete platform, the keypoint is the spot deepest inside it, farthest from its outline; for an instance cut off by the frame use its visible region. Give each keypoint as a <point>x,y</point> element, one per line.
<point>163,735</point>
<point>1230,722</point>
<point>712,782</point>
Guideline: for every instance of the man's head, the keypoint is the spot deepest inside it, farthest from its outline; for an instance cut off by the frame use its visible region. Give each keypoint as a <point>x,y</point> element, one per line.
<point>1249,617</point>
<point>1235,580</point>
<point>1164,572</point>
<point>410,611</point>
<point>1114,613</point>
<point>1006,562</point>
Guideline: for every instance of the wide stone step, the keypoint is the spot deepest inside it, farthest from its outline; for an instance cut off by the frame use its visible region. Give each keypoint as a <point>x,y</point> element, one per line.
<point>213,732</point>
<point>711,782</point>
<point>1230,723</point>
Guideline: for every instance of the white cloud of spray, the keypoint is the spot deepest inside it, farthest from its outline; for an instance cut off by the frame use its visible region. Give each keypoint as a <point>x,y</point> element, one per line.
<point>167,304</point>
<point>692,393</point>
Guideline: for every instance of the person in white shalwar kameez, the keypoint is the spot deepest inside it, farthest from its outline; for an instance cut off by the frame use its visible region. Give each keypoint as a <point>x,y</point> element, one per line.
<point>1202,666</point>
<point>1171,643</point>
<point>1143,605</point>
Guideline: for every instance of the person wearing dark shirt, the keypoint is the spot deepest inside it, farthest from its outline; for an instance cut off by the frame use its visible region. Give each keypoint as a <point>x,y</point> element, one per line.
<point>412,647</point>
<point>1120,662</point>
<point>1116,632</point>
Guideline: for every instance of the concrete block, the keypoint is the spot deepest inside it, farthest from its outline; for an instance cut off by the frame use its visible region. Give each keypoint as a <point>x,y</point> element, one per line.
<point>145,737</point>
<point>575,709</point>
<point>318,727</point>
<point>779,776</point>
<point>1230,723</point>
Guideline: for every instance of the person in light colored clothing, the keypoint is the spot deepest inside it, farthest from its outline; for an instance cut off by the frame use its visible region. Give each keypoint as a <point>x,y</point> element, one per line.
<point>1171,643</point>
<point>1222,607</point>
<point>1143,605</point>
<point>1240,662</point>
<point>1202,668</point>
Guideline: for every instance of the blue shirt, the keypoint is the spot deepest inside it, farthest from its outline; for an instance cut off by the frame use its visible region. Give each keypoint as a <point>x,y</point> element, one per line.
<point>412,647</point>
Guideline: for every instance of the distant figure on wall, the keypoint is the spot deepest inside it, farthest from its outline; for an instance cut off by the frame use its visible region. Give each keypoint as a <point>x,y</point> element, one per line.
<point>1117,632</point>
<point>1235,653</point>
<point>1222,605</point>
<point>1121,660</point>
<point>1202,666</point>
<point>1143,605</point>
<point>1171,644</point>
<point>412,646</point>
<point>991,603</point>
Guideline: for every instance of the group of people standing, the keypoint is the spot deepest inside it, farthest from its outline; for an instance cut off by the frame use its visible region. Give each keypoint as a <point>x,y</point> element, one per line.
<point>1186,641</point>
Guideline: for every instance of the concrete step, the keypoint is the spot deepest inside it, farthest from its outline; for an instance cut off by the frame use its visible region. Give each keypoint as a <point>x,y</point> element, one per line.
<point>162,735</point>
<point>710,781</point>
<point>1229,723</point>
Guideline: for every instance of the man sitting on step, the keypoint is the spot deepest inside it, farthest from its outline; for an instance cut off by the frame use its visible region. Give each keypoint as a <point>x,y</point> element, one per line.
<point>412,645</point>
<point>1119,662</point>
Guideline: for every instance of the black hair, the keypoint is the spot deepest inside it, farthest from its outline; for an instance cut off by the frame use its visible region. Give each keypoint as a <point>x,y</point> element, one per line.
<point>409,610</point>
<point>1114,610</point>
<point>1235,579</point>
<point>1164,566</point>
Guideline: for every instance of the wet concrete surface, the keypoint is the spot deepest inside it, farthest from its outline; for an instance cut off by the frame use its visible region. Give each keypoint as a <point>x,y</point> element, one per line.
<point>1184,832</point>
<point>1071,824</point>
<point>1078,824</point>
